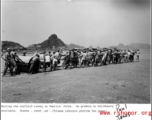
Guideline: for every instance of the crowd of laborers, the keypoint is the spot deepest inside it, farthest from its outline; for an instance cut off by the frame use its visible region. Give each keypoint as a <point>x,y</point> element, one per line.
<point>72,59</point>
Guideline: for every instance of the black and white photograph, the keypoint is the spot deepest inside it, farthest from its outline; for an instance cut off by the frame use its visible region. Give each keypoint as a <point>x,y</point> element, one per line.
<point>76,51</point>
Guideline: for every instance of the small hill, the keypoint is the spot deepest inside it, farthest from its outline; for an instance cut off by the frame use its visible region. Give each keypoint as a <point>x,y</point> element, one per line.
<point>12,45</point>
<point>138,46</point>
<point>98,47</point>
<point>52,42</point>
<point>90,47</point>
<point>121,45</point>
<point>132,46</point>
<point>71,46</point>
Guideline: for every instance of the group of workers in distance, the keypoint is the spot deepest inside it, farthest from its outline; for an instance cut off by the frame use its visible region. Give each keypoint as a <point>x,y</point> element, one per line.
<point>48,61</point>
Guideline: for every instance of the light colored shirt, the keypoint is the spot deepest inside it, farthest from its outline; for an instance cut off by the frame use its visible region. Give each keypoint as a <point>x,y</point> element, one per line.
<point>84,55</point>
<point>56,55</point>
<point>42,57</point>
<point>90,53</point>
<point>128,53</point>
<point>47,58</point>
<point>138,52</point>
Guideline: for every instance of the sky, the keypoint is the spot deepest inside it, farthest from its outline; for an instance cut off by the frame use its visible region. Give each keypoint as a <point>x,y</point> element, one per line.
<point>87,23</point>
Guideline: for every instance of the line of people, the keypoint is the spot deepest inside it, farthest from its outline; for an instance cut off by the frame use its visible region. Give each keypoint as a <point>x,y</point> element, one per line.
<point>96,57</point>
<point>43,61</point>
<point>71,59</point>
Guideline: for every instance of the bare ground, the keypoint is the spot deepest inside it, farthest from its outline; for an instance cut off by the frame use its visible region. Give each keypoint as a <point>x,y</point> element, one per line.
<point>121,83</point>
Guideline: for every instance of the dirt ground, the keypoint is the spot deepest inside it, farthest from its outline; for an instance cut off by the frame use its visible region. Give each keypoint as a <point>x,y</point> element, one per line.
<point>121,83</point>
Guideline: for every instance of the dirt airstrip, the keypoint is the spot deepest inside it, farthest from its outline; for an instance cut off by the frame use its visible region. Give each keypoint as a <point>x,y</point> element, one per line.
<point>121,83</point>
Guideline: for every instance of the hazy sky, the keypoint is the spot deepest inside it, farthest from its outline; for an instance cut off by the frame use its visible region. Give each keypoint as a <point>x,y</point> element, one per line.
<point>84,22</point>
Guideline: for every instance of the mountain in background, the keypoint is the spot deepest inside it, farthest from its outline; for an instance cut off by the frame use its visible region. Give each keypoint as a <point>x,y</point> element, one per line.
<point>98,47</point>
<point>71,46</point>
<point>53,42</point>
<point>12,45</point>
<point>132,46</point>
